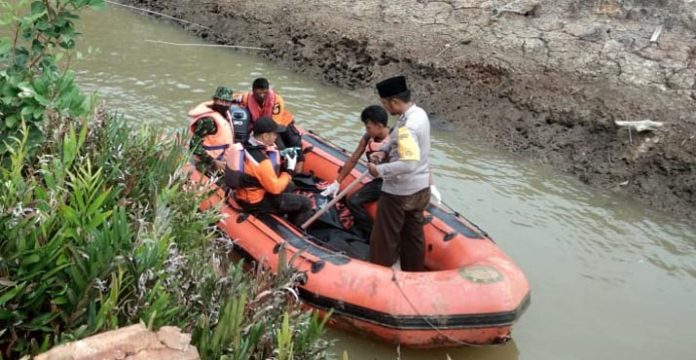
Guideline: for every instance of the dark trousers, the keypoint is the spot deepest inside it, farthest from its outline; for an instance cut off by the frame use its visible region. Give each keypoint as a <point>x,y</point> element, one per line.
<point>356,204</point>
<point>398,230</point>
<point>297,207</point>
<point>290,138</point>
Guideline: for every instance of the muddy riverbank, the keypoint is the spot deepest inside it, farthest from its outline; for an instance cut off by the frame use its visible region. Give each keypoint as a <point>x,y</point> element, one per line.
<point>546,80</point>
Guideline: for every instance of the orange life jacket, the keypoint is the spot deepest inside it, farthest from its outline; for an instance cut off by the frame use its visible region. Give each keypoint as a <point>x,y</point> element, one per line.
<point>262,163</point>
<point>234,166</point>
<point>374,145</point>
<point>215,145</point>
<point>273,106</point>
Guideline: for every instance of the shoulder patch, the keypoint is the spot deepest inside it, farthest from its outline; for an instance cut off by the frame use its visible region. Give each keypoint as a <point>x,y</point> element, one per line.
<point>276,109</point>
<point>407,145</point>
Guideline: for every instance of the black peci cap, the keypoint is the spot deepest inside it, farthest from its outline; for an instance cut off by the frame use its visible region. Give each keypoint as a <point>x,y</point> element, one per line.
<point>392,86</point>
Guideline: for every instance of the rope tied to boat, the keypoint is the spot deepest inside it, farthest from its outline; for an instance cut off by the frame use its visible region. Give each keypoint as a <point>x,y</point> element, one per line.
<point>156,13</point>
<point>206,45</point>
<point>432,326</point>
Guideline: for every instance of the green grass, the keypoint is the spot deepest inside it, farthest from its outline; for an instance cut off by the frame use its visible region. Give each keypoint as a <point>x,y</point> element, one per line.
<point>101,229</point>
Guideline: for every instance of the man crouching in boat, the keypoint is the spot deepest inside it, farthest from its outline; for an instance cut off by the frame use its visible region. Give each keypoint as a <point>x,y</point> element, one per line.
<point>376,135</point>
<point>262,101</point>
<point>211,132</point>
<point>263,187</point>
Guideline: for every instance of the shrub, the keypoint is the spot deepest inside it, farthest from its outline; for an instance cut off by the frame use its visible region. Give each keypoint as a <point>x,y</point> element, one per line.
<point>100,228</point>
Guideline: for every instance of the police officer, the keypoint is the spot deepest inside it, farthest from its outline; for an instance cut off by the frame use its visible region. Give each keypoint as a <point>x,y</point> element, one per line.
<point>398,228</point>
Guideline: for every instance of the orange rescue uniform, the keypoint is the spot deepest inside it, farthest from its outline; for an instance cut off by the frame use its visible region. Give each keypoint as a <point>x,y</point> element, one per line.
<point>262,163</point>
<point>273,106</point>
<point>215,145</point>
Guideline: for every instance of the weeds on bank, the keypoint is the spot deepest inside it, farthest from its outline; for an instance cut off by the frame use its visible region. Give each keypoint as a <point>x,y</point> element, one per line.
<point>99,227</point>
<point>102,230</point>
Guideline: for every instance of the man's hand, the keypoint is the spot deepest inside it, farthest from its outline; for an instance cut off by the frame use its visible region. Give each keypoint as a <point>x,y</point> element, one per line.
<point>377,156</point>
<point>332,189</point>
<point>291,161</point>
<point>373,170</point>
<point>290,150</point>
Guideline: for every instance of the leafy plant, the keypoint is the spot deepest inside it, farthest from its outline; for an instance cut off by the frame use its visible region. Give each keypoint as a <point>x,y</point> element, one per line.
<point>81,253</point>
<point>33,88</point>
<point>259,320</point>
<point>285,340</point>
<point>100,227</point>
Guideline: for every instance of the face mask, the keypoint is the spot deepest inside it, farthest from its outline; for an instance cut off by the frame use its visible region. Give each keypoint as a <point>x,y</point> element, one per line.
<point>222,109</point>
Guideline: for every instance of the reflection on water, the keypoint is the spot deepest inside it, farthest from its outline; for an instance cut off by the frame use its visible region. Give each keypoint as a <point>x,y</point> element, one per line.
<point>610,279</point>
<point>364,349</point>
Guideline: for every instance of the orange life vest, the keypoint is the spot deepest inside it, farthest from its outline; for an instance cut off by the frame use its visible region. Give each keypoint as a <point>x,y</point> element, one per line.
<point>275,108</point>
<point>265,169</point>
<point>215,145</point>
<point>374,145</point>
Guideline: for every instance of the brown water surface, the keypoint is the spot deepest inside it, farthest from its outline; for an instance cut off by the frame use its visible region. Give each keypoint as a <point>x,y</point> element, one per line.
<point>610,279</point>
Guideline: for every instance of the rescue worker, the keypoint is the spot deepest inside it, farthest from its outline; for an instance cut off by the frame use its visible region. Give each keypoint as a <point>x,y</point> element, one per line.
<point>376,134</point>
<point>398,230</point>
<point>265,187</point>
<point>210,129</point>
<point>264,101</point>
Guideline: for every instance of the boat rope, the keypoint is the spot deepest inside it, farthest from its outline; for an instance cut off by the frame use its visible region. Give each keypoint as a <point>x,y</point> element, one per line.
<point>156,13</point>
<point>433,326</point>
<point>206,45</point>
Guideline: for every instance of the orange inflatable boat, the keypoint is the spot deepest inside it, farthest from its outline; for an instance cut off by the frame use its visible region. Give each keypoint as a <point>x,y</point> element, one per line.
<point>472,294</point>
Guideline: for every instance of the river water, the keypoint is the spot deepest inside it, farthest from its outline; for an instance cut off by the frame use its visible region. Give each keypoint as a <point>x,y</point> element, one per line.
<point>610,279</point>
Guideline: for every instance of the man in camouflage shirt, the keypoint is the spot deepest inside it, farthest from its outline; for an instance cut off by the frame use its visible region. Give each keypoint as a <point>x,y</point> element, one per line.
<point>222,100</point>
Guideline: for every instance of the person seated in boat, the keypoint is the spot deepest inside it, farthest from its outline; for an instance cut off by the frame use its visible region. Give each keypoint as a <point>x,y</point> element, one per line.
<point>376,134</point>
<point>210,130</point>
<point>263,101</point>
<point>265,188</point>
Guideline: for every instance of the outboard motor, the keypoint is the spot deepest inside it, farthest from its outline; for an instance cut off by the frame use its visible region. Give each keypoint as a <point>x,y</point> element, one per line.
<point>240,123</point>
